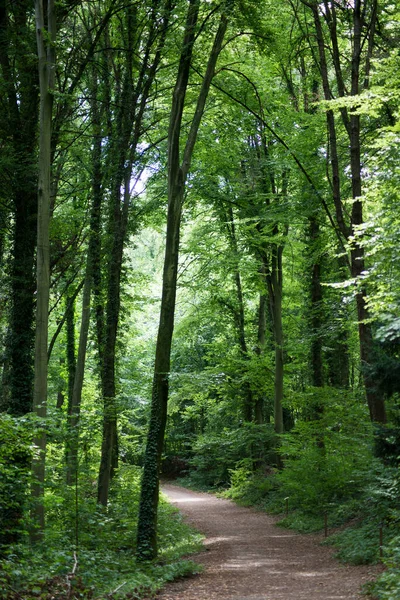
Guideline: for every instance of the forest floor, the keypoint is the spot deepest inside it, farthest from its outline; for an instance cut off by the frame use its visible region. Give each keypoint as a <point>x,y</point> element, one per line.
<point>247,557</point>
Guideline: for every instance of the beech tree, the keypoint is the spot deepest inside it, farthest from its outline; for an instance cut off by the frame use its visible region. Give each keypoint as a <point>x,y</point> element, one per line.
<point>133,87</point>
<point>178,171</point>
<point>360,22</point>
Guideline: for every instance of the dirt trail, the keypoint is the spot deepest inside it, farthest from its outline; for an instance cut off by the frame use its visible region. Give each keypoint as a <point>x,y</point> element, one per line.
<point>250,558</point>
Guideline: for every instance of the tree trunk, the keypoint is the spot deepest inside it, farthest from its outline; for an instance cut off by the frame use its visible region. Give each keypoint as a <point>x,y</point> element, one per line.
<point>45,43</point>
<point>276,310</point>
<point>22,310</point>
<point>71,358</point>
<point>20,105</point>
<point>316,305</point>
<point>129,128</point>
<point>352,126</point>
<point>109,440</point>
<point>238,311</point>
<point>260,348</point>
<point>93,258</point>
<point>177,175</point>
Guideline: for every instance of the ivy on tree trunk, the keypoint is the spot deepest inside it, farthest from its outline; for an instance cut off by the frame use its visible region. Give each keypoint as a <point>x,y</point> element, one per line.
<point>177,175</point>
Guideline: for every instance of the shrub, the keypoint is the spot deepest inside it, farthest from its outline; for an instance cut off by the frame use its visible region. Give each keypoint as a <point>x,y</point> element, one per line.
<point>216,455</point>
<point>15,461</point>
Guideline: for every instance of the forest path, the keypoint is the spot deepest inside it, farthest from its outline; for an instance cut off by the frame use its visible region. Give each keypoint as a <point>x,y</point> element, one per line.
<point>250,558</point>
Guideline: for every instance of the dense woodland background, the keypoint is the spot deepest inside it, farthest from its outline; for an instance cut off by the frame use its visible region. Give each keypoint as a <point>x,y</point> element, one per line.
<point>226,173</point>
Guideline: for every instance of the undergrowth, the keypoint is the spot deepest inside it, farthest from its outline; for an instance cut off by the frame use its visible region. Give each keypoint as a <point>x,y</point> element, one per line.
<point>89,552</point>
<point>332,478</point>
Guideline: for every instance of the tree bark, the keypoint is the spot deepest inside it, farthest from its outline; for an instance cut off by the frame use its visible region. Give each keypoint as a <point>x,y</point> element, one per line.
<point>71,358</point>
<point>275,280</point>
<point>239,313</point>
<point>317,379</point>
<point>260,348</point>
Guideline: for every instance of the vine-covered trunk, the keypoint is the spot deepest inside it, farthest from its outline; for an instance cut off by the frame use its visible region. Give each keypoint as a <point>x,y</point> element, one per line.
<point>22,335</point>
<point>109,457</point>
<point>177,175</point>
<point>19,120</point>
<point>147,525</point>
<point>132,104</point>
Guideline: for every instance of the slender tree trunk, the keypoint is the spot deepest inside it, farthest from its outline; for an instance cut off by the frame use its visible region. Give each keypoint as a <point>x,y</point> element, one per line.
<point>147,524</point>
<point>72,438</point>
<point>275,287</point>
<point>45,43</point>
<point>261,342</point>
<point>352,126</point>
<point>239,313</point>
<point>71,358</point>
<point>129,129</point>
<point>92,261</point>
<point>315,320</point>
<point>316,305</point>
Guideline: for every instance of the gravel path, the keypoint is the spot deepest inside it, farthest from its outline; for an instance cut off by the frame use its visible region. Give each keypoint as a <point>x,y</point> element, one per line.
<point>249,558</point>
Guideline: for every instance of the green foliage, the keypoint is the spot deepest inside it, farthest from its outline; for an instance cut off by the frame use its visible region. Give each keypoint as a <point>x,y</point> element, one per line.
<point>358,545</point>
<point>249,487</point>
<point>327,458</point>
<point>104,543</point>
<point>234,208</point>
<point>387,587</point>
<point>328,462</point>
<point>15,462</point>
<point>217,455</point>
<point>379,507</point>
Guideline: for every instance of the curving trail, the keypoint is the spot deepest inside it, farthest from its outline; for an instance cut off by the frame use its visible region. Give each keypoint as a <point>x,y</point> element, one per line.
<point>249,558</point>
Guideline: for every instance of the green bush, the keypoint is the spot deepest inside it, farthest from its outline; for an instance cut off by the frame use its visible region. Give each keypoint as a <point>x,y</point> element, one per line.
<point>327,460</point>
<point>103,541</point>
<point>15,462</point>
<point>217,455</point>
<point>387,586</point>
<point>249,487</point>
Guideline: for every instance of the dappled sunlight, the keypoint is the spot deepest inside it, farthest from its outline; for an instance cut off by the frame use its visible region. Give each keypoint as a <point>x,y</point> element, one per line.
<point>312,574</point>
<point>283,535</point>
<point>249,558</point>
<point>252,562</point>
<point>185,500</point>
<point>215,540</point>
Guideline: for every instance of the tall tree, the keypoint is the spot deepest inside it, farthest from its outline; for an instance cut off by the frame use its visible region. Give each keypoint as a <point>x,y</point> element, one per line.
<point>133,90</point>
<point>93,257</point>
<point>46,37</point>
<point>178,170</point>
<point>359,20</point>
<point>18,61</point>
